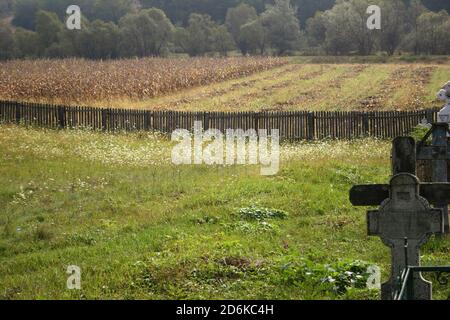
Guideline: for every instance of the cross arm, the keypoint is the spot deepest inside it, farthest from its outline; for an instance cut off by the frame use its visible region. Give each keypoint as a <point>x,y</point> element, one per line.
<point>436,193</point>
<point>434,153</point>
<point>375,194</point>
<point>369,195</point>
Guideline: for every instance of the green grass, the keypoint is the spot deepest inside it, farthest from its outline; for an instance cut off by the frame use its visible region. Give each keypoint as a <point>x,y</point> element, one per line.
<point>141,228</point>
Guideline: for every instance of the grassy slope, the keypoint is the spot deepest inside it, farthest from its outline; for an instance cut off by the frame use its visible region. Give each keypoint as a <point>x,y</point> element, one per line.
<point>299,86</point>
<point>141,228</point>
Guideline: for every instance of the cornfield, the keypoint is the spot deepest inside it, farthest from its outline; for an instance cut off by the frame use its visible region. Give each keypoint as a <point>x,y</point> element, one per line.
<point>73,81</point>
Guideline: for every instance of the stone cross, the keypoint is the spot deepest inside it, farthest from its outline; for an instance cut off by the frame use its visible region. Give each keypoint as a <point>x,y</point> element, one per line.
<point>404,156</point>
<point>439,155</point>
<point>405,215</point>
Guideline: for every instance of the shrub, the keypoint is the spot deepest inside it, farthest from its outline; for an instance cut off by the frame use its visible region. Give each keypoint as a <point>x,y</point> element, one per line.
<point>260,214</point>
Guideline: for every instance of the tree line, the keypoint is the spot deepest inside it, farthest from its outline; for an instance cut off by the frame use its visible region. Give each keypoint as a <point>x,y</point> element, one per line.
<point>178,11</point>
<point>405,27</point>
<point>127,28</point>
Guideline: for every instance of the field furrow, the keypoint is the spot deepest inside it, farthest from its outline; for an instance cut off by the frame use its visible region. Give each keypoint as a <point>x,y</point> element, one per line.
<point>224,84</point>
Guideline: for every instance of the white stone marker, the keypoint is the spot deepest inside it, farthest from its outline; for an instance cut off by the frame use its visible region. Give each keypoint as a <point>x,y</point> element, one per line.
<point>444,95</point>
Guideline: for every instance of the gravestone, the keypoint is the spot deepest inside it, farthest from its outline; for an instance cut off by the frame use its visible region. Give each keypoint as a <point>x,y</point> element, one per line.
<point>405,215</point>
<point>434,160</point>
<point>439,156</point>
<point>404,155</point>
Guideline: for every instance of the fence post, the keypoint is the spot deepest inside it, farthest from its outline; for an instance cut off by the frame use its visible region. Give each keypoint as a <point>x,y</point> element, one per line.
<point>104,119</point>
<point>2,110</point>
<point>256,116</point>
<point>18,113</point>
<point>365,124</point>
<point>61,117</point>
<point>206,121</point>
<point>430,115</point>
<point>147,120</point>
<point>311,126</point>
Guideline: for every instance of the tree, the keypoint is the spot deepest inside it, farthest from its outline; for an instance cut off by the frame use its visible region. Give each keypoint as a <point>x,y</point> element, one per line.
<point>99,40</point>
<point>222,40</point>
<point>236,18</point>
<point>432,32</point>
<point>198,38</point>
<point>145,33</point>
<point>437,5</point>
<point>337,36</point>
<point>316,29</point>
<point>180,39</point>
<point>72,43</point>
<point>445,44</point>
<point>27,43</point>
<point>180,11</point>
<point>282,25</point>
<point>415,10</point>
<point>6,42</point>
<point>48,28</point>
<point>346,28</point>
<point>25,13</point>
<point>308,9</point>
<point>111,10</point>
<point>357,26</point>
<point>164,31</point>
<point>392,24</point>
<point>254,37</point>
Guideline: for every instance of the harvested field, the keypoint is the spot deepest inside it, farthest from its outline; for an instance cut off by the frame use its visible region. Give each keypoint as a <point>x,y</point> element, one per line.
<point>75,81</point>
<point>231,84</point>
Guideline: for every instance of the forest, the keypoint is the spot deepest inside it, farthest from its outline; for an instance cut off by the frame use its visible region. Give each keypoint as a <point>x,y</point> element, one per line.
<point>140,28</point>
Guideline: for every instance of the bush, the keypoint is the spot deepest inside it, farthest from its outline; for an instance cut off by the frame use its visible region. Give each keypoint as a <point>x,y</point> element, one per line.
<point>337,277</point>
<point>260,214</point>
<point>419,132</point>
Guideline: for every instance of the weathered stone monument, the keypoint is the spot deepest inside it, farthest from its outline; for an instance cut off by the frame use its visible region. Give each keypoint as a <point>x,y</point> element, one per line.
<point>438,154</point>
<point>405,219</point>
<point>444,95</point>
<point>405,215</point>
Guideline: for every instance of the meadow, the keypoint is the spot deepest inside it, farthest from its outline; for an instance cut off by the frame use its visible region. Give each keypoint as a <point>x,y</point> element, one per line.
<point>142,228</point>
<point>228,84</point>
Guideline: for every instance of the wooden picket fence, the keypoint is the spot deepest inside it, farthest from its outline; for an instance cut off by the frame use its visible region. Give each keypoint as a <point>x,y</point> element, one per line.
<point>292,125</point>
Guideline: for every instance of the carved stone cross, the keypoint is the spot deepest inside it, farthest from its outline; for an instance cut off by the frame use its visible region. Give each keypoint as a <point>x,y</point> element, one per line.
<point>439,155</point>
<point>405,215</point>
